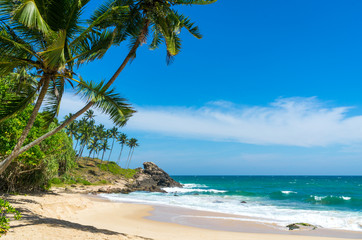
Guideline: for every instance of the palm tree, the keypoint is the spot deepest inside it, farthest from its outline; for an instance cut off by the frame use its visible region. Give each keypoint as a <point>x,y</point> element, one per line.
<point>122,139</point>
<point>89,115</point>
<point>46,38</point>
<point>71,130</point>
<point>125,19</point>
<point>132,144</point>
<point>104,146</point>
<point>93,146</point>
<point>86,135</point>
<point>113,134</point>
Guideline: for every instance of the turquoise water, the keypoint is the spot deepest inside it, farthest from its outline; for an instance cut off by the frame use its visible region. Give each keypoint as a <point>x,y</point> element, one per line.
<point>302,192</point>
<point>327,201</point>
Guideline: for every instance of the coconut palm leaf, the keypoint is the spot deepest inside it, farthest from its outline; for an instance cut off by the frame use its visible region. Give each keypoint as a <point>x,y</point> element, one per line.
<point>107,101</point>
<point>27,13</point>
<point>54,97</point>
<point>17,102</point>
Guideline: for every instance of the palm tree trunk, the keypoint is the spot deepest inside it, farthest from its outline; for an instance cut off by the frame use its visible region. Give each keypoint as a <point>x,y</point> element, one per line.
<point>130,159</point>
<point>129,154</point>
<point>109,158</point>
<point>17,149</point>
<point>103,155</point>
<point>119,158</point>
<point>16,152</point>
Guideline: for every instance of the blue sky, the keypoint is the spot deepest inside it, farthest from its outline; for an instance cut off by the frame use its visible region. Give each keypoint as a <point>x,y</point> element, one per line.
<point>274,87</point>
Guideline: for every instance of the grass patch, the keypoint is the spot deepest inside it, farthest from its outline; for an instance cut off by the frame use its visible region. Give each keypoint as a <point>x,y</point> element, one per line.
<point>83,181</point>
<point>102,182</point>
<point>113,168</point>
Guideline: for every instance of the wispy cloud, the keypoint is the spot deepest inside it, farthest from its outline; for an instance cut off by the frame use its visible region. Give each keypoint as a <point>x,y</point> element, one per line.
<point>286,121</point>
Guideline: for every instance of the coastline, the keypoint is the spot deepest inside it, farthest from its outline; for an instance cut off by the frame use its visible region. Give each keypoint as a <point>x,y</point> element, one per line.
<point>78,216</point>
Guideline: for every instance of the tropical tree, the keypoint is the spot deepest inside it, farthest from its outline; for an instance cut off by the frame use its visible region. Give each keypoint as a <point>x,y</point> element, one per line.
<point>113,134</point>
<point>93,146</point>
<point>89,115</point>
<point>132,144</point>
<point>122,139</point>
<point>104,147</point>
<point>45,37</point>
<point>71,130</point>
<point>55,43</point>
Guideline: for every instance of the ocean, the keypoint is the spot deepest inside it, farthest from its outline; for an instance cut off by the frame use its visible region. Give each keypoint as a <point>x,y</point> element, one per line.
<point>333,202</point>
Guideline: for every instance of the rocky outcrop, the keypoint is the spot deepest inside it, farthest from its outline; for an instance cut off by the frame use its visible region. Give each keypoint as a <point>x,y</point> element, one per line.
<point>152,178</point>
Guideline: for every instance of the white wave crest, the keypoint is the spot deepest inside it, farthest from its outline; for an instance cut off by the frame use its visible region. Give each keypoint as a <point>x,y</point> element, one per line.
<point>192,185</point>
<point>189,190</point>
<point>288,192</point>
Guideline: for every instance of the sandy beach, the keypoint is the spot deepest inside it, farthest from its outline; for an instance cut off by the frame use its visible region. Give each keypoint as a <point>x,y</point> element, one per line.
<point>79,216</point>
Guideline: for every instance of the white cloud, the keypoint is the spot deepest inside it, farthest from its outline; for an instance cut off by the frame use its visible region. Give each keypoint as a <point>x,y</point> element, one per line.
<point>287,121</point>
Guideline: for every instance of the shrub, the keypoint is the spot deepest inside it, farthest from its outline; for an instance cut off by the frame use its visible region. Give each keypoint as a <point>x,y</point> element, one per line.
<point>5,209</point>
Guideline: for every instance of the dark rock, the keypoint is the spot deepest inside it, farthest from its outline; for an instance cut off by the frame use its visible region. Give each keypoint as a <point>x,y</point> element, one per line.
<point>73,185</point>
<point>242,202</point>
<point>151,179</point>
<point>159,176</point>
<point>301,226</point>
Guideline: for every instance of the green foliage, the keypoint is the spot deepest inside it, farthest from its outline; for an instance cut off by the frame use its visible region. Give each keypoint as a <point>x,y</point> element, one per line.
<point>34,168</point>
<point>5,209</point>
<point>83,181</point>
<point>113,168</point>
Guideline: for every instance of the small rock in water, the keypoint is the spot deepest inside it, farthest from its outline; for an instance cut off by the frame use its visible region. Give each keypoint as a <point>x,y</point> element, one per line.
<point>242,202</point>
<point>301,226</point>
<point>195,194</point>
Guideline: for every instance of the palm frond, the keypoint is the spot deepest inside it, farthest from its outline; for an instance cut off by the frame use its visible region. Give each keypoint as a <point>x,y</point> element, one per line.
<point>17,102</point>
<point>185,22</point>
<point>106,101</point>
<point>29,15</point>
<point>54,56</point>
<point>156,39</point>
<point>93,47</point>
<point>53,100</point>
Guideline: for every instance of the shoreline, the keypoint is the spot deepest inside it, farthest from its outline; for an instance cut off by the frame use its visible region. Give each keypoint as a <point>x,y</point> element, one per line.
<point>78,216</point>
<point>213,220</point>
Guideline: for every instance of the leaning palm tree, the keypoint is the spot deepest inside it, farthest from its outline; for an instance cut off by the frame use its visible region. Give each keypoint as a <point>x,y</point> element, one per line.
<point>113,134</point>
<point>46,38</point>
<point>122,139</point>
<point>124,19</point>
<point>132,144</point>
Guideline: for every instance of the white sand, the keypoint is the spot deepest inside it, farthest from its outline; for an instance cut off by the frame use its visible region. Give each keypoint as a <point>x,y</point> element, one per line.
<point>76,216</point>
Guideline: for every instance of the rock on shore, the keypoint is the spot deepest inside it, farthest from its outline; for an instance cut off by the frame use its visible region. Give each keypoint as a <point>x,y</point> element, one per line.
<point>152,178</point>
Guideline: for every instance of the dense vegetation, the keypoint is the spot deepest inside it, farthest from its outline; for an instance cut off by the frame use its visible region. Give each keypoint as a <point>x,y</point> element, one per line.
<point>33,169</point>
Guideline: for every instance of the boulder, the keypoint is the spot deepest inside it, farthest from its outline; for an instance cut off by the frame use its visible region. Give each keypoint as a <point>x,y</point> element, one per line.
<point>159,176</point>
<point>151,179</point>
